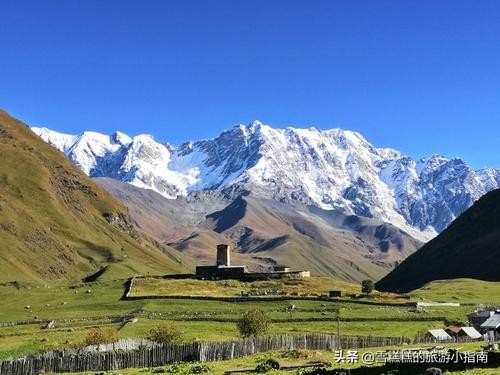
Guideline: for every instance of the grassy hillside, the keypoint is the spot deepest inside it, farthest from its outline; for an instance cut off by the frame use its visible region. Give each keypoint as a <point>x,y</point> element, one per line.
<point>468,248</point>
<point>57,224</point>
<point>233,288</point>
<point>460,290</point>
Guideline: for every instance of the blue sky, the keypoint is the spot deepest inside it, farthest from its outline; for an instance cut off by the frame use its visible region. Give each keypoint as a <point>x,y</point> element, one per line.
<point>419,76</point>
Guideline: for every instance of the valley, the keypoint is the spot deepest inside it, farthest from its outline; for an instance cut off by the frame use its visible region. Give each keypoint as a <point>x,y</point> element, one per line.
<point>264,232</point>
<point>99,256</point>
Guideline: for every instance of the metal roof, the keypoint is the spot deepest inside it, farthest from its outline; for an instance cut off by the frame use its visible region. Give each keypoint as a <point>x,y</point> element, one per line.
<point>440,334</point>
<point>472,332</point>
<point>492,323</point>
<point>481,314</point>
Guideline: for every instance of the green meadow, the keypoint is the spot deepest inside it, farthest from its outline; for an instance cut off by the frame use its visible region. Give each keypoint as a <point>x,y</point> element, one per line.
<point>465,291</point>
<point>81,307</point>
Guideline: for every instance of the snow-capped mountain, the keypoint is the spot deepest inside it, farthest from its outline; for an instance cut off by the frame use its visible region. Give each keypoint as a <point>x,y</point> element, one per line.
<point>331,169</point>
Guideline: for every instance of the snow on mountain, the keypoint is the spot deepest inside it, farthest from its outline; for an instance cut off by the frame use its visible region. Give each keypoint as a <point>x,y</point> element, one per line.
<point>140,160</point>
<point>331,169</point>
<point>436,190</point>
<point>63,142</point>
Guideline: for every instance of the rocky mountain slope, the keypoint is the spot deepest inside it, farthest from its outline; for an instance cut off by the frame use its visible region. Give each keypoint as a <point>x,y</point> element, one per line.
<point>57,224</point>
<point>468,248</point>
<point>330,169</point>
<point>264,232</point>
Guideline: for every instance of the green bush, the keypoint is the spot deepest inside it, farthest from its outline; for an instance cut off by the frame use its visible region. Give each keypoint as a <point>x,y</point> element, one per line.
<point>98,336</point>
<point>167,333</point>
<point>254,323</point>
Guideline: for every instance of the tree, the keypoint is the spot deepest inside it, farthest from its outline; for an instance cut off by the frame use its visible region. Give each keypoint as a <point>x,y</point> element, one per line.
<point>167,333</point>
<point>253,323</point>
<point>367,286</point>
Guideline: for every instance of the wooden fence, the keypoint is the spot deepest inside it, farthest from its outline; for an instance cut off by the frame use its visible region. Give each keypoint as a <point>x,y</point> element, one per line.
<point>161,354</point>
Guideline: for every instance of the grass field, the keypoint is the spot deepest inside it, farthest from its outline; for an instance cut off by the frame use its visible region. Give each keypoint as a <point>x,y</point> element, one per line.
<point>77,309</point>
<point>231,288</point>
<point>461,290</point>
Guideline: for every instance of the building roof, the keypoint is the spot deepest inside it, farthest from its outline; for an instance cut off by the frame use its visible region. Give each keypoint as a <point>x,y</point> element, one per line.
<point>481,314</point>
<point>492,323</point>
<point>440,334</point>
<point>454,329</point>
<point>471,332</point>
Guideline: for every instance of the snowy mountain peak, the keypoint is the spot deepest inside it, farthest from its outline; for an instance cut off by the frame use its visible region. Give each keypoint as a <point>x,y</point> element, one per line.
<point>121,138</point>
<point>58,140</point>
<point>255,124</point>
<point>332,169</point>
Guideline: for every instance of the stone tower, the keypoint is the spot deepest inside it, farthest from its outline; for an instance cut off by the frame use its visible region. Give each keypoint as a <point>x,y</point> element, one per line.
<point>223,255</point>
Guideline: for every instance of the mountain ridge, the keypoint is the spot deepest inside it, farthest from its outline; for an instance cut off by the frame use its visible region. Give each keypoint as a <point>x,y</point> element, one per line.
<point>263,232</point>
<point>332,169</point>
<point>468,248</point>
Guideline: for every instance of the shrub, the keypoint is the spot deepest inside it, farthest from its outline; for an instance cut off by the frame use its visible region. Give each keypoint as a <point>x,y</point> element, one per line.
<point>297,354</point>
<point>167,333</point>
<point>253,323</point>
<point>175,368</point>
<point>98,336</point>
<point>268,365</point>
<point>199,369</point>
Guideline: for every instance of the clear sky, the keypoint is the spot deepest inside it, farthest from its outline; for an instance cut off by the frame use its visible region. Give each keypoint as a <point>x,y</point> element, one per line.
<point>419,76</point>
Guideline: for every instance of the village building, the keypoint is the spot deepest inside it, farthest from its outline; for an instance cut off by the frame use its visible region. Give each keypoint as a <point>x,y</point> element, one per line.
<point>224,270</point>
<point>335,293</point>
<point>281,268</point>
<point>438,335</point>
<point>463,332</point>
<point>492,326</point>
<point>479,317</point>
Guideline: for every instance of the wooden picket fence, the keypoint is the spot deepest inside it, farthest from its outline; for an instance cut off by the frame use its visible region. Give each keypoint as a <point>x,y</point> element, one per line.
<point>162,354</point>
